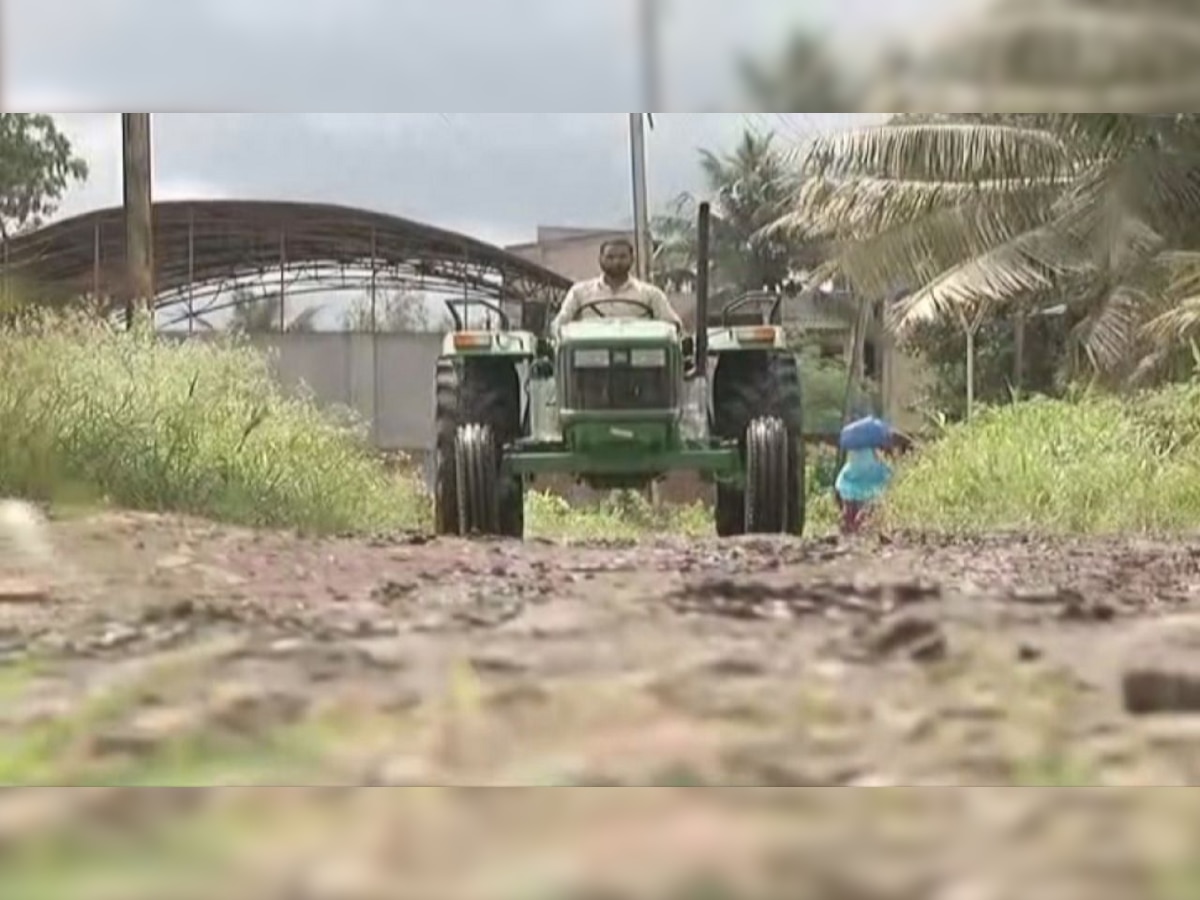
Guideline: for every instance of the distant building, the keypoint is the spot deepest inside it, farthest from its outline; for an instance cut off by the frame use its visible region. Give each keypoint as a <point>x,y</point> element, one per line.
<point>571,252</point>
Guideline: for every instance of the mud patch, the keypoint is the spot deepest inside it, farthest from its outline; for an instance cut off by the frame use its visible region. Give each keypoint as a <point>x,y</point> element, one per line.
<point>191,654</point>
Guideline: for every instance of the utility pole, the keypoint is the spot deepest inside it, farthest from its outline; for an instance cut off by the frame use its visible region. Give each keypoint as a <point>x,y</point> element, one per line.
<point>648,11</point>
<point>641,203</point>
<point>648,15</point>
<point>139,228</point>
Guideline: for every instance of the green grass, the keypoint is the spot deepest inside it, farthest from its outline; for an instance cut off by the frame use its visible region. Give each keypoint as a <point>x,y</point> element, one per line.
<point>623,515</point>
<point>89,414</point>
<point>1090,465</point>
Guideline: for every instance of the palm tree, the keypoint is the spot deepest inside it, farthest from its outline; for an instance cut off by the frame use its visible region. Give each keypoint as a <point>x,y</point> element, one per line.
<point>1133,179</point>
<point>992,211</point>
<point>1059,55</point>
<point>804,77</point>
<point>751,187</point>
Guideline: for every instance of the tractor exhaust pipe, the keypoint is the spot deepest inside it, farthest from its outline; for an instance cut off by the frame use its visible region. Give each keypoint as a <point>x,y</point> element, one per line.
<point>704,237</point>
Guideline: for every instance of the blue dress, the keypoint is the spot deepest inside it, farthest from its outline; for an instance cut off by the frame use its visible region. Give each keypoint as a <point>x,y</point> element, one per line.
<point>864,478</point>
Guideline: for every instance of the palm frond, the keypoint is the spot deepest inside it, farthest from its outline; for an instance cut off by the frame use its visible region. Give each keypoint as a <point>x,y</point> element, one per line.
<point>1106,209</point>
<point>921,250</point>
<point>1178,324</point>
<point>1029,263</point>
<point>941,152</point>
<point>1107,334</point>
<point>863,206</point>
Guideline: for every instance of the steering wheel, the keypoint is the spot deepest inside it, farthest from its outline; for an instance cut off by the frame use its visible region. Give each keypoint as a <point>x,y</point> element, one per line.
<point>591,304</point>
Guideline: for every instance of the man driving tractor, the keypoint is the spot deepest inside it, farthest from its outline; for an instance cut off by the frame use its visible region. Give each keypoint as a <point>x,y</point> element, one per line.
<point>615,285</point>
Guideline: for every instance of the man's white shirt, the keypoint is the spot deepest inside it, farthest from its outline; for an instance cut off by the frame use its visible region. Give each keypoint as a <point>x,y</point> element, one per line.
<point>640,292</point>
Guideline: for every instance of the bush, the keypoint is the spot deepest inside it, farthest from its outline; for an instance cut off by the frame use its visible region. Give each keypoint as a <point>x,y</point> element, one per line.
<point>1094,464</point>
<point>824,389</point>
<point>87,412</point>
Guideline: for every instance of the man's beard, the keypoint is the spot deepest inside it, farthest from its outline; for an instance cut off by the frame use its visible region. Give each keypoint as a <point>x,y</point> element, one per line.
<point>622,274</point>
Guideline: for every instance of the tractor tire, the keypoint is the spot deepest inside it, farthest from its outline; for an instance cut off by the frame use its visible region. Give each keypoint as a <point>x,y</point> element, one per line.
<point>486,394</point>
<point>445,493</point>
<point>788,397</point>
<point>797,513</point>
<point>730,511</point>
<point>477,480</point>
<point>746,388</point>
<point>512,509</point>
<point>769,479</point>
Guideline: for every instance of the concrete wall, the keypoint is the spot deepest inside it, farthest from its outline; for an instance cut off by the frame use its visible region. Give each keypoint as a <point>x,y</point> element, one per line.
<point>388,379</point>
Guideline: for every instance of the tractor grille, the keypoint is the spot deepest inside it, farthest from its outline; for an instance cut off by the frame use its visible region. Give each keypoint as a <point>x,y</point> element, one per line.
<point>620,379</point>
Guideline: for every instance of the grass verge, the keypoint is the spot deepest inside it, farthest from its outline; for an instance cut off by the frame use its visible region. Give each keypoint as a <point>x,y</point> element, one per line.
<point>1090,465</point>
<point>89,414</point>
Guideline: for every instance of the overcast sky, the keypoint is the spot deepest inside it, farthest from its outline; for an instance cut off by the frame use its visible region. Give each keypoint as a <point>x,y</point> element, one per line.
<point>493,175</point>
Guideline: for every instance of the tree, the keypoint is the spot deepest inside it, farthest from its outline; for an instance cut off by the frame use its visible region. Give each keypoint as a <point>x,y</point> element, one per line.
<point>257,315</point>
<point>991,212</point>
<point>751,187</point>
<point>399,312</point>
<point>802,78</point>
<point>37,165</point>
<point>1058,56</point>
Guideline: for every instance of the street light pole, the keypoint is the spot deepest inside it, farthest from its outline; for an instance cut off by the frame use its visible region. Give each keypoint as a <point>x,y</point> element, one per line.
<point>648,16</point>
<point>641,203</point>
<point>139,231</point>
<point>648,27</point>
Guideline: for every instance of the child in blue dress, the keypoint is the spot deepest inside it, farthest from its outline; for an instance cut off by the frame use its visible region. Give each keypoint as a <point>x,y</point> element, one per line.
<point>863,480</point>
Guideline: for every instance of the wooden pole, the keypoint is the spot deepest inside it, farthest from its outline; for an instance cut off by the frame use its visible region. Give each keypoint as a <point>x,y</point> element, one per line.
<point>139,226</point>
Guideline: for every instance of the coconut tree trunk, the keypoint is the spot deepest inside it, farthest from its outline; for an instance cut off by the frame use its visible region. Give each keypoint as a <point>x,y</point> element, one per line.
<point>1020,324</point>
<point>857,351</point>
<point>970,374</point>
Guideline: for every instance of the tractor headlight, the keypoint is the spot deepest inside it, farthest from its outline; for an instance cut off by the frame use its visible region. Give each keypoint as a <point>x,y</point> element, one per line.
<point>648,359</point>
<point>591,359</point>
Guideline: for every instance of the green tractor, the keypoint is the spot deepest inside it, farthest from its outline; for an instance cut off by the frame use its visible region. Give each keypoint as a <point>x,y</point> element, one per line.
<point>620,403</point>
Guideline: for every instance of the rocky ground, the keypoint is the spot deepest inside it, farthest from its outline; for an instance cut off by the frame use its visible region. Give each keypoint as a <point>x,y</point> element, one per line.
<point>169,652</point>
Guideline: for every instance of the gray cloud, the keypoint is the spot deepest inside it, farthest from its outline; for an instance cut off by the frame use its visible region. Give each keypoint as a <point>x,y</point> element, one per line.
<point>496,175</point>
<point>380,54</point>
<point>374,54</point>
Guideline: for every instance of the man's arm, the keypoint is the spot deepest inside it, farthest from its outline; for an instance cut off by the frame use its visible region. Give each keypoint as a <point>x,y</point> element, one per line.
<point>663,308</point>
<point>566,312</point>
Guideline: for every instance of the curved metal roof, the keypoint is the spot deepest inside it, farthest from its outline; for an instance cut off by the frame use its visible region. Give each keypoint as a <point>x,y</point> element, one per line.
<point>204,246</point>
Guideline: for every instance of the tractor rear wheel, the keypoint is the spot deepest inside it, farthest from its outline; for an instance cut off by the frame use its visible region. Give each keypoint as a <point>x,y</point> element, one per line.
<point>477,481</point>
<point>798,490</point>
<point>445,492</point>
<point>483,395</point>
<point>789,406</point>
<point>769,481</point>
<point>749,387</point>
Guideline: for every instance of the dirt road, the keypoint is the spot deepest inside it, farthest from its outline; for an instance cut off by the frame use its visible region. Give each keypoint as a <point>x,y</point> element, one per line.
<point>176,652</point>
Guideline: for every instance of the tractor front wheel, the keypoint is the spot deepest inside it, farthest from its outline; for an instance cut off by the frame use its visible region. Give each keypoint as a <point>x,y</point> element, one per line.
<point>769,486</point>
<point>477,481</point>
<point>730,511</point>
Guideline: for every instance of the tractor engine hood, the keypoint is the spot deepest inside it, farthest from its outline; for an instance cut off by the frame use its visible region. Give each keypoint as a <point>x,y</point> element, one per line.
<point>618,332</point>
